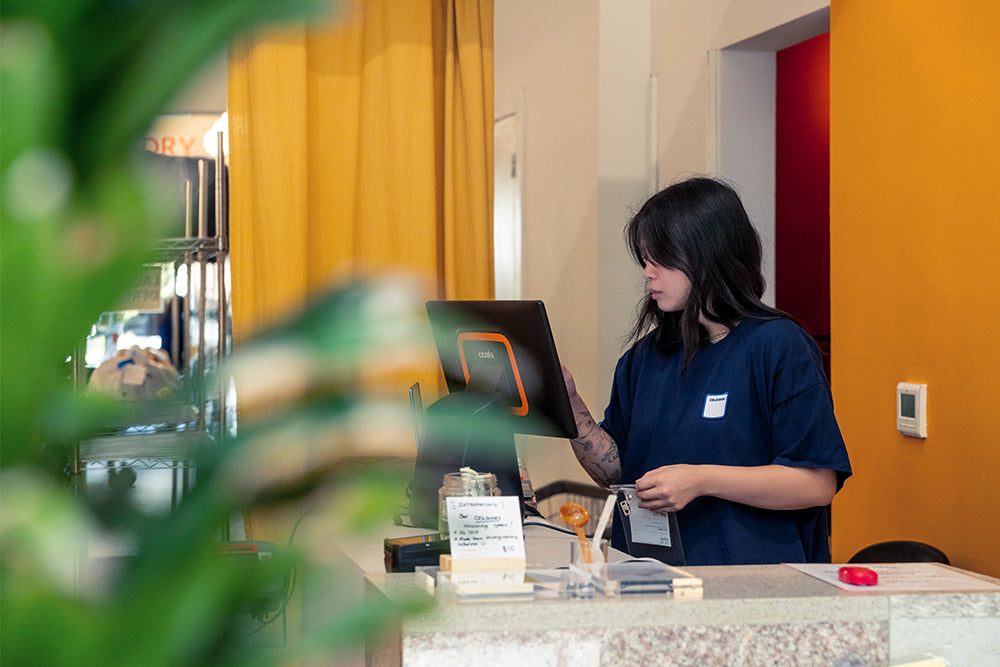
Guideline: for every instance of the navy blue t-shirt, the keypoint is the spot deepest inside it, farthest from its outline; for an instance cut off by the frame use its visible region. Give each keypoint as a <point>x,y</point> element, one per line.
<point>758,396</point>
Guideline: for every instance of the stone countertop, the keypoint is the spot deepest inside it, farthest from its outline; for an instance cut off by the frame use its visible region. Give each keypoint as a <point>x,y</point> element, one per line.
<point>770,593</point>
<point>747,615</point>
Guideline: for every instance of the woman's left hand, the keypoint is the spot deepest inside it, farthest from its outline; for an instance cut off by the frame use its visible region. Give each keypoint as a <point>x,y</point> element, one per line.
<point>668,488</point>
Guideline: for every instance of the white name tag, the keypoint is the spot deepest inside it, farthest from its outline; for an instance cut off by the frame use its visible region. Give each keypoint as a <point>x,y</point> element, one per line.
<point>715,406</point>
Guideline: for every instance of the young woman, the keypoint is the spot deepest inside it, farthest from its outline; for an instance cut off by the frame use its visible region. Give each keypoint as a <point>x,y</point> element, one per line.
<point>720,410</point>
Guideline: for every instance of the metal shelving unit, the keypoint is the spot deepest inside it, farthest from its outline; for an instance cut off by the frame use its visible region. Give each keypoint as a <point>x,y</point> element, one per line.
<point>169,435</point>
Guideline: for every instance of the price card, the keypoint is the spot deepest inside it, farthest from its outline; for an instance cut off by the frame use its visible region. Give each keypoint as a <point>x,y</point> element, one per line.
<point>485,527</point>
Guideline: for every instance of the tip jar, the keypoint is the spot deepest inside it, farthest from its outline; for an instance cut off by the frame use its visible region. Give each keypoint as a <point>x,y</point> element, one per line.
<point>465,483</point>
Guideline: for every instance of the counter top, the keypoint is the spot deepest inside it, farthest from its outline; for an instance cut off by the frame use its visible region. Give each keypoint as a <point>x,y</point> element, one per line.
<point>747,615</point>
<point>751,615</point>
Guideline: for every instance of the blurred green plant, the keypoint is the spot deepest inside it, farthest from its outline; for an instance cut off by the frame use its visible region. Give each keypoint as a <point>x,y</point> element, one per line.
<point>80,82</point>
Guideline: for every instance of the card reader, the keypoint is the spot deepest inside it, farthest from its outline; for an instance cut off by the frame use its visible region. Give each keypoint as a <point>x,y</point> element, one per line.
<point>403,554</point>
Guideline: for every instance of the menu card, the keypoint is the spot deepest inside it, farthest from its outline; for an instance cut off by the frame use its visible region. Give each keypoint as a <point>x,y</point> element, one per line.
<point>903,578</point>
<point>485,527</point>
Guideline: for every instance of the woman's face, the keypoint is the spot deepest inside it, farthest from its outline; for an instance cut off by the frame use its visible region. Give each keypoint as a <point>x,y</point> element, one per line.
<point>669,288</point>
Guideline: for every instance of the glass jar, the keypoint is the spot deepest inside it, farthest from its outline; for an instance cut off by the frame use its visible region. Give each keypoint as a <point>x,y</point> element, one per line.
<point>463,484</point>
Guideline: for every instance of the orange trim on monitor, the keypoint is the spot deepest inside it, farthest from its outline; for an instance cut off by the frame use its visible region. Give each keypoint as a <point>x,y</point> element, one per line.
<point>498,338</point>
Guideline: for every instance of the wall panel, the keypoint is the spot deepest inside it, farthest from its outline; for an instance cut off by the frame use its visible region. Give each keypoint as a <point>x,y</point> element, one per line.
<point>914,237</point>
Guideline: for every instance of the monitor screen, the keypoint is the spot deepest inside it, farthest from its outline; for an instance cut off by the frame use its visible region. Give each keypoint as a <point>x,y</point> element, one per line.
<point>505,347</point>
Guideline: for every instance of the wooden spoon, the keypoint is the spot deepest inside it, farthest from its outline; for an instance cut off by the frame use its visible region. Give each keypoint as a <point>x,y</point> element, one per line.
<point>576,517</point>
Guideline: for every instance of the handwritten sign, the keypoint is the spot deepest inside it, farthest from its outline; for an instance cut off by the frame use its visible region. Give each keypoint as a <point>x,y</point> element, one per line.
<point>485,527</point>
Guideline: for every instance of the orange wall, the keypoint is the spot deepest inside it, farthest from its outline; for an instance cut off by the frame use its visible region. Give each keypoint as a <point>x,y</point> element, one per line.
<point>915,270</point>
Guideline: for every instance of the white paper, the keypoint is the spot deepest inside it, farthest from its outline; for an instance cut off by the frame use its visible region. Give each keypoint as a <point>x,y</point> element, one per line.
<point>485,527</point>
<point>901,577</point>
<point>648,527</point>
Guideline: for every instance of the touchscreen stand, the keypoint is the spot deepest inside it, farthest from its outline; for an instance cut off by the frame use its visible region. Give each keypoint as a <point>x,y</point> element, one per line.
<point>467,428</point>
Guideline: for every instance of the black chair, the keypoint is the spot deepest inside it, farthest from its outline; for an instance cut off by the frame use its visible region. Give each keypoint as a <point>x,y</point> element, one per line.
<point>900,551</point>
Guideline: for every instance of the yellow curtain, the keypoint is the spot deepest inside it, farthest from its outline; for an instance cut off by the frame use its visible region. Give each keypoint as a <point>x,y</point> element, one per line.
<point>362,145</point>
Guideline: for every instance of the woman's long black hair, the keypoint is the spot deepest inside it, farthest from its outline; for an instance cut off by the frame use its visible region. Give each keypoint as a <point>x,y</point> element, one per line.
<point>699,226</point>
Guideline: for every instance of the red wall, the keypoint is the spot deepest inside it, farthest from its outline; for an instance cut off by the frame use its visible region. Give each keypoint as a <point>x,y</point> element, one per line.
<point>802,191</point>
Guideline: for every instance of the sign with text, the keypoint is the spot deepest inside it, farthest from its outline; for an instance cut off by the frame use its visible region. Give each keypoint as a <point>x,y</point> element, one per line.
<point>180,134</point>
<point>485,527</point>
<point>145,295</point>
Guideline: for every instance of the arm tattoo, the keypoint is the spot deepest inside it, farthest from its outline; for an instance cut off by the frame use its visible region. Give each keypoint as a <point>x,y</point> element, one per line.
<point>596,451</point>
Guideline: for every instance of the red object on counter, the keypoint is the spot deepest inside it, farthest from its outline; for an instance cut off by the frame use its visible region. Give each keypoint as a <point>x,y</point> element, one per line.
<point>858,576</point>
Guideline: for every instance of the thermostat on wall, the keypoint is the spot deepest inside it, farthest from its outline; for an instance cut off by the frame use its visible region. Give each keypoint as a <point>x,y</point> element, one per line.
<point>911,409</point>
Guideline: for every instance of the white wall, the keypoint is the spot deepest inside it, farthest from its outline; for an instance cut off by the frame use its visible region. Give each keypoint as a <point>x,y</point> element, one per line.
<point>548,53</point>
<point>684,34</point>
<point>584,66</point>
<point>625,180</point>
<point>742,130</point>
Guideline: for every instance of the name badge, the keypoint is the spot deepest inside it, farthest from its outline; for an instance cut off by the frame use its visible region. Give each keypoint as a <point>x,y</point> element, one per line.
<point>715,406</point>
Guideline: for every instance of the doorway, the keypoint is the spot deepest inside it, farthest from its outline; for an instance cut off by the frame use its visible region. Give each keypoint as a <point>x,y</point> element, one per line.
<point>802,187</point>
<point>748,147</point>
<point>508,181</point>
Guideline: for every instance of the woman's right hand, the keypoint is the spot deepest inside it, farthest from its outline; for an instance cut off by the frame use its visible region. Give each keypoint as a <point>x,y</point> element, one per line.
<point>569,380</point>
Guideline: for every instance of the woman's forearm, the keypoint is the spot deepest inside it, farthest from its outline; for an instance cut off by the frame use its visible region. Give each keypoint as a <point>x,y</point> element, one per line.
<point>594,448</point>
<point>777,487</point>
